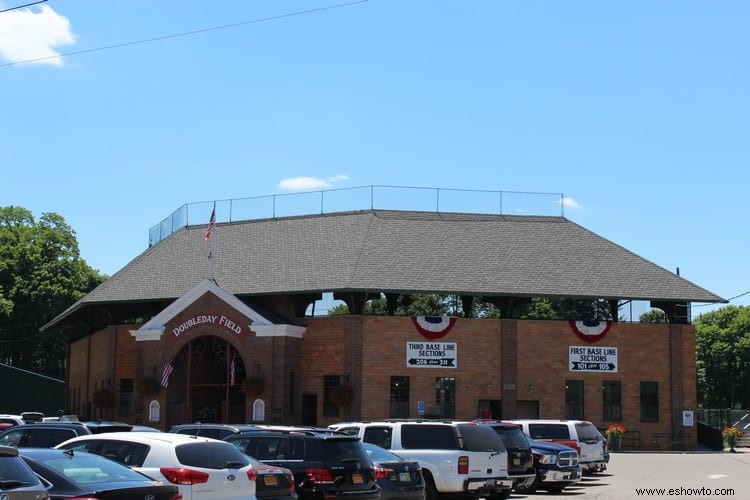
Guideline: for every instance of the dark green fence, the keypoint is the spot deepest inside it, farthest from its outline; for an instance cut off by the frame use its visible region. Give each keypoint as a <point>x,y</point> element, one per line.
<point>23,390</point>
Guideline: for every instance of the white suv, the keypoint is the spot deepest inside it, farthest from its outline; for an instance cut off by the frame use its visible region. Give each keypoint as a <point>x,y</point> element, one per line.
<point>200,467</point>
<point>581,435</point>
<point>460,458</point>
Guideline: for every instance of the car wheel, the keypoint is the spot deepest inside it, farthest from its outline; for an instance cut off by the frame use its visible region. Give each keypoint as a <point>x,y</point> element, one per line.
<point>431,492</point>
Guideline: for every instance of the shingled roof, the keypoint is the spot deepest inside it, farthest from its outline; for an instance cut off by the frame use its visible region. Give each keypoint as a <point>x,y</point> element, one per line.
<point>397,252</point>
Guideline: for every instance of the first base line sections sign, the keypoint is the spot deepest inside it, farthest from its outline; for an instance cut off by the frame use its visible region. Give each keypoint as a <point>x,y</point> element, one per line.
<point>583,358</point>
<point>431,355</point>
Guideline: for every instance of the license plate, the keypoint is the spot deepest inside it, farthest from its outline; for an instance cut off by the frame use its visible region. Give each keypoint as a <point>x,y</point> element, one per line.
<point>490,483</point>
<point>516,461</point>
<point>270,480</point>
<point>404,477</point>
<point>574,475</point>
<point>358,479</point>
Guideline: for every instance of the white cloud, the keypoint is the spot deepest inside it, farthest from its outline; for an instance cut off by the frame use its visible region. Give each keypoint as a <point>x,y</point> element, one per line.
<point>570,203</point>
<point>305,183</point>
<point>26,35</point>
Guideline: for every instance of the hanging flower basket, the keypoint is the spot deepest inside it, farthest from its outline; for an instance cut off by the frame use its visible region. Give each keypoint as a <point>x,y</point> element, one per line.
<point>731,435</point>
<point>614,436</point>
<point>252,386</point>
<point>342,395</point>
<point>148,386</point>
<point>104,398</point>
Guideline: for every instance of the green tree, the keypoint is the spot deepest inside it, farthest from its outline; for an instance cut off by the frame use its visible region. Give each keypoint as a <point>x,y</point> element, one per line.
<point>723,357</point>
<point>41,274</point>
<point>653,316</point>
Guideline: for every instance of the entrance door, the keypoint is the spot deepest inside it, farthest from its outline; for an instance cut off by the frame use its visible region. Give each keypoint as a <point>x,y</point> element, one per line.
<point>206,378</point>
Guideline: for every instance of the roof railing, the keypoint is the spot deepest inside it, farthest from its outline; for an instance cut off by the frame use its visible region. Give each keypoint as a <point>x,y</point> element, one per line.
<point>374,197</point>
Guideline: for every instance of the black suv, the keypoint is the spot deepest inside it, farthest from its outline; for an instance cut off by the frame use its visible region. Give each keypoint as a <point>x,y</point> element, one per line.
<point>520,459</point>
<point>215,431</point>
<point>50,434</point>
<point>325,463</point>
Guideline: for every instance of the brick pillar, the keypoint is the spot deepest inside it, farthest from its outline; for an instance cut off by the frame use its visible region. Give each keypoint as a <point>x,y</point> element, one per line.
<point>509,368</point>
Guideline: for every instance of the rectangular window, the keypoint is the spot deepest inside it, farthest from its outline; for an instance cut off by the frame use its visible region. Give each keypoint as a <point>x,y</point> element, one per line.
<point>399,397</point>
<point>574,399</point>
<point>126,397</point>
<point>611,401</point>
<point>329,382</point>
<point>445,397</point>
<point>649,401</point>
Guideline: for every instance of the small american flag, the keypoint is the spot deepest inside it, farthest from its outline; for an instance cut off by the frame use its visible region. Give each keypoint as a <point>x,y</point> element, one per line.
<point>211,224</point>
<point>231,372</point>
<point>168,369</point>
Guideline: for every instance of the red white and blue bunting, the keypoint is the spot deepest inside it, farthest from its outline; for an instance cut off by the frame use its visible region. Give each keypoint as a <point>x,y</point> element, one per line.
<point>590,330</point>
<point>433,327</point>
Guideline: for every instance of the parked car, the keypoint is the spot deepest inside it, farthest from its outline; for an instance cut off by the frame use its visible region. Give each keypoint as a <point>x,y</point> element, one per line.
<point>520,459</point>
<point>216,431</point>
<point>49,434</point>
<point>73,474</point>
<point>273,483</point>
<point>325,464</point>
<point>202,468</point>
<point>556,467</point>
<point>457,458</point>
<point>9,421</point>
<point>17,480</point>
<point>580,435</point>
<point>398,478</point>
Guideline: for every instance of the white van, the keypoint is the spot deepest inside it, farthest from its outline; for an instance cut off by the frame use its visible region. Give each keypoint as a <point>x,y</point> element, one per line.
<point>580,435</point>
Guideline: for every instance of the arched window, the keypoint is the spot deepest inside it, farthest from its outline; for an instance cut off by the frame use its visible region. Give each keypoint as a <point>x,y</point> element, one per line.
<point>154,408</point>
<point>259,410</point>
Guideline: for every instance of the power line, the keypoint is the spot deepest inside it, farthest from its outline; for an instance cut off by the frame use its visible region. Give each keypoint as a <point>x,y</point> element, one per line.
<point>188,33</point>
<point>22,6</point>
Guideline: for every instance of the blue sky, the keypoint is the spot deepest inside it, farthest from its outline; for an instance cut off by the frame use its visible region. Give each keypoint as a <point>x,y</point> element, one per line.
<point>637,111</point>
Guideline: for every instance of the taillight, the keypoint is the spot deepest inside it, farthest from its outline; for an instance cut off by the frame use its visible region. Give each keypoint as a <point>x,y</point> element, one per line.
<point>252,474</point>
<point>184,476</point>
<point>463,464</point>
<point>382,473</point>
<point>319,475</point>
<point>291,484</point>
<point>419,471</point>
<point>177,497</point>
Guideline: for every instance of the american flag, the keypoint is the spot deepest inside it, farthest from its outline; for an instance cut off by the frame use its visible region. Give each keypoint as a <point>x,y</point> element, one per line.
<point>211,224</point>
<point>231,372</point>
<point>168,369</point>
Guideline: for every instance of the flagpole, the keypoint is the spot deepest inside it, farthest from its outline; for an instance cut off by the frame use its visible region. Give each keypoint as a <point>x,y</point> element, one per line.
<point>212,252</point>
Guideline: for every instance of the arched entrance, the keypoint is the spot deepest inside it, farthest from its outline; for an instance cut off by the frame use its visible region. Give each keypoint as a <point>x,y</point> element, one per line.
<point>205,384</point>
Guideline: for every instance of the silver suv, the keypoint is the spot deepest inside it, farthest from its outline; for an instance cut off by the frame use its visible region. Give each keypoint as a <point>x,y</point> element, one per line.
<point>457,458</point>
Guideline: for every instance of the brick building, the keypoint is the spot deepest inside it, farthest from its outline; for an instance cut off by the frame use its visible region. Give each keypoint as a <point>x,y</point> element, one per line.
<point>244,345</point>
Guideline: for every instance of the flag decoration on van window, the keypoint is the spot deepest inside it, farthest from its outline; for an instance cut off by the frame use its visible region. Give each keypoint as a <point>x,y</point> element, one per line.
<point>590,330</point>
<point>433,327</point>
<point>211,224</point>
<point>168,369</point>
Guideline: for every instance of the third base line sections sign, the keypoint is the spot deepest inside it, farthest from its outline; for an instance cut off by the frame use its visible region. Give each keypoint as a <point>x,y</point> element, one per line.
<point>583,358</point>
<point>431,354</point>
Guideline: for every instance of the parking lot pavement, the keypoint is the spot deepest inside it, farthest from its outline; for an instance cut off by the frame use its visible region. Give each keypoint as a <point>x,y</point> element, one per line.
<point>665,475</point>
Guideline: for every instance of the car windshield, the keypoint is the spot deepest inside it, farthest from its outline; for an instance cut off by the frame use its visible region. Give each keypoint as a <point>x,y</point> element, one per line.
<point>587,433</point>
<point>83,468</point>
<point>513,437</point>
<point>208,455</point>
<point>342,449</point>
<point>14,472</point>
<point>480,438</point>
<point>378,454</point>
